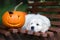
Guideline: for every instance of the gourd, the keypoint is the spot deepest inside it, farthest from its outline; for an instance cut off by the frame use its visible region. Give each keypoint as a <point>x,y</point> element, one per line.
<point>14,19</point>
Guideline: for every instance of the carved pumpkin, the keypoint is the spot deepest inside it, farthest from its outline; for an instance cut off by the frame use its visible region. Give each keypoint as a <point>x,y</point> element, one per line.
<point>14,19</point>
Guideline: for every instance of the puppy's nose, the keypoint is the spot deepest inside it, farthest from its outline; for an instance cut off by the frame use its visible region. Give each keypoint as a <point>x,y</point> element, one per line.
<point>32,28</point>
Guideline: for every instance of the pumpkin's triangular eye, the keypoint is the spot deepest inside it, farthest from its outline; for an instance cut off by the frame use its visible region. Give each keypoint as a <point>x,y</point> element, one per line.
<point>10,12</point>
<point>18,16</point>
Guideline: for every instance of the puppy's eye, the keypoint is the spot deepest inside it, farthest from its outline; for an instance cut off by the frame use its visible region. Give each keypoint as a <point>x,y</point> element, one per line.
<point>37,24</point>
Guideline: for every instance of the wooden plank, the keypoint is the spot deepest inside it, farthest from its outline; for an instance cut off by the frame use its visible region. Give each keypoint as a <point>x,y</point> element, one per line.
<point>58,35</point>
<point>3,27</point>
<point>49,3</point>
<point>50,35</point>
<point>2,39</point>
<point>37,33</point>
<point>13,30</point>
<point>57,32</point>
<point>44,9</point>
<point>57,23</point>
<point>16,36</point>
<point>6,33</point>
<point>22,31</point>
<point>30,32</point>
<point>57,16</point>
<point>54,29</point>
<point>45,38</point>
<point>44,34</point>
<point>9,37</point>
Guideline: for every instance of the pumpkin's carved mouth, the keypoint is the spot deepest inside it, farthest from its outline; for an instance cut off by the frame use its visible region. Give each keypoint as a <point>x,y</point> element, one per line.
<point>14,24</point>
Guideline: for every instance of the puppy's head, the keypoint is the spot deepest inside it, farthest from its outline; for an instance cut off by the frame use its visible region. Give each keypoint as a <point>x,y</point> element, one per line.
<point>34,25</point>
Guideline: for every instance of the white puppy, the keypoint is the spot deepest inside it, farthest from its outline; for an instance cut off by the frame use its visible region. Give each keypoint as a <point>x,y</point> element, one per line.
<point>36,23</point>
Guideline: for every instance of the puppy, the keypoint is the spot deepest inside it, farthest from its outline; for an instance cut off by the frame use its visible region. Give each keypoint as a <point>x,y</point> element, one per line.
<point>36,23</point>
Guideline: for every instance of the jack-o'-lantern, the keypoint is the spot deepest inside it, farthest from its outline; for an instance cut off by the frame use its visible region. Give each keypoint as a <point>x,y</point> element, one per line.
<point>15,19</point>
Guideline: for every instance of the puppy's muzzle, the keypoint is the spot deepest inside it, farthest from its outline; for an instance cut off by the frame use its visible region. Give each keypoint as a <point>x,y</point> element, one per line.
<point>32,27</point>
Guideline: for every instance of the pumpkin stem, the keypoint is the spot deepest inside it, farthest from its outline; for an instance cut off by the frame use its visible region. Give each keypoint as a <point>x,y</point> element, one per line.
<point>18,6</point>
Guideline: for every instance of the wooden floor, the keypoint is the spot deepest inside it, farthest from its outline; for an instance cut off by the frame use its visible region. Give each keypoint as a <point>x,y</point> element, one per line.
<point>17,34</point>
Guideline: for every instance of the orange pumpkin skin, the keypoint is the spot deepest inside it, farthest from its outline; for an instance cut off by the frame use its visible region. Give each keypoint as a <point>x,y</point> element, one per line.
<point>15,19</point>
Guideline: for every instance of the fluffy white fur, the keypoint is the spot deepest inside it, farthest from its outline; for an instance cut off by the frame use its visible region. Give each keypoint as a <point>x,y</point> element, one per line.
<point>39,22</point>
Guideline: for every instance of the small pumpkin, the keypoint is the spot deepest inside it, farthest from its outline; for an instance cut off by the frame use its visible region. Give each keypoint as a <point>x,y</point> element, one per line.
<point>15,19</point>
